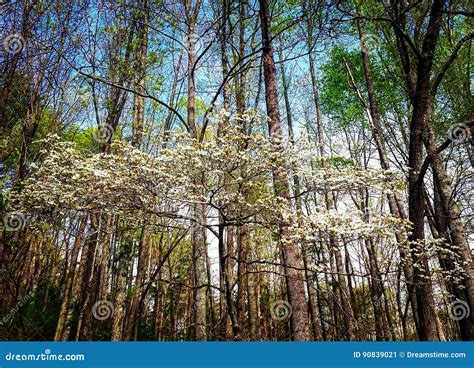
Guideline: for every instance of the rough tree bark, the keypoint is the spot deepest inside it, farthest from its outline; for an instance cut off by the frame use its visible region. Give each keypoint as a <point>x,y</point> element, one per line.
<point>314,314</point>
<point>198,238</point>
<point>289,249</point>
<point>428,329</point>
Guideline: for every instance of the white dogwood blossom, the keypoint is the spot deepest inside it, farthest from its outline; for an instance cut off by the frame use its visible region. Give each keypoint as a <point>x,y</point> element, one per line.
<point>231,174</point>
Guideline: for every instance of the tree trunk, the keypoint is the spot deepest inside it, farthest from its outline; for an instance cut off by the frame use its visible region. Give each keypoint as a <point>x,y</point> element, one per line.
<point>456,248</point>
<point>242,250</point>
<point>140,280</point>
<point>309,275</point>
<point>290,250</point>
<point>395,206</point>
<point>200,273</point>
<point>140,61</point>
<point>428,329</point>
<point>63,327</point>
<point>198,233</point>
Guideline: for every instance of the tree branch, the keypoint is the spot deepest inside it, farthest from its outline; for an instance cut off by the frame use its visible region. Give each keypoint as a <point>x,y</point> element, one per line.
<point>454,53</point>
<point>131,90</point>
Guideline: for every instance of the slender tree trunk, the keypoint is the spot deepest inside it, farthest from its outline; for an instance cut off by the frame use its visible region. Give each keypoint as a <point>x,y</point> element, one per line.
<point>210,298</point>
<point>86,290</point>
<point>171,101</point>
<point>396,209</point>
<point>198,238</point>
<point>140,280</point>
<point>116,96</point>
<point>200,274</point>
<point>140,62</point>
<point>105,259</point>
<point>343,290</point>
<point>119,302</point>
<point>456,251</point>
<point>242,250</point>
<point>63,327</point>
<point>240,81</point>
<point>376,291</point>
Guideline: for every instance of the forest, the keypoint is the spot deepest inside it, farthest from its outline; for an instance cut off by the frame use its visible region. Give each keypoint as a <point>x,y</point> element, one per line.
<point>236,170</point>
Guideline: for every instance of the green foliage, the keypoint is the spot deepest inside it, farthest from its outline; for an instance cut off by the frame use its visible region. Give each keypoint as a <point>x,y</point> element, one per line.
<point>455,98</point>
<point>284,15</point>
<point>339,161</point>
<point>200,108</point>
<point>339,99</point>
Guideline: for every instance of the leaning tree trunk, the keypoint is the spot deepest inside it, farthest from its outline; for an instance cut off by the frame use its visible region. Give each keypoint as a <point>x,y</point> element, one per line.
<point>394,202</point>
<point>419,94</point>
<point>457,254</point>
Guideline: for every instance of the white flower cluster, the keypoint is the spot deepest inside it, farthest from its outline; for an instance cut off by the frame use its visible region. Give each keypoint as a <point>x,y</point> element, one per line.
<point>231,173</point>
